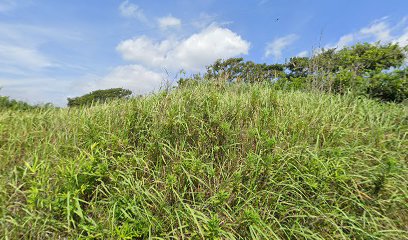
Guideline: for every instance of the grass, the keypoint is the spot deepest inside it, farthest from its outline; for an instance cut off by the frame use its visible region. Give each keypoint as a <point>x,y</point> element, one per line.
<point>207,162</point>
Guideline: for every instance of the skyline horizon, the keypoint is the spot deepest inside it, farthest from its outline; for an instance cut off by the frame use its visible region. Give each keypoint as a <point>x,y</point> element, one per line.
<point>50,51</point>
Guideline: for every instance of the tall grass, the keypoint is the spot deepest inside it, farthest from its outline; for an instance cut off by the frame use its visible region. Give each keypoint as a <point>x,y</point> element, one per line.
<point>207,162</point>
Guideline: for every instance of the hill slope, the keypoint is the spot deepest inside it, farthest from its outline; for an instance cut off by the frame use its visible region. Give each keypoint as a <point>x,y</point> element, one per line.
<point>242,161</point>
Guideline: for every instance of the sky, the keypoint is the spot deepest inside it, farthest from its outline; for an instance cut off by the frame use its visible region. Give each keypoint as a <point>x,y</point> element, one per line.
<point>52,49</point>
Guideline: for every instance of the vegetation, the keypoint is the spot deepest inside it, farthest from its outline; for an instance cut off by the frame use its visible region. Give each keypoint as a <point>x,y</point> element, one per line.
<point>11,104</point>
<point>99,96</point>
<point>208,161</point>
<point>373,70</point>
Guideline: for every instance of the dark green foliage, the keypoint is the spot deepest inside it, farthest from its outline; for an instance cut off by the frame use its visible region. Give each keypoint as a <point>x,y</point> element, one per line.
<point>236,70</point>
<point>367,58</point>
<point>7,103</point>
<point>391,86</point>
<point>374,70</point>
<point>367,69</point>
<point>298,67</point>
<point>99,96</point>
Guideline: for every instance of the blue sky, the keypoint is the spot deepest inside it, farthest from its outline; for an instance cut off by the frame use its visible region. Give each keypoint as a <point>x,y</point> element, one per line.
<point>51,50</point>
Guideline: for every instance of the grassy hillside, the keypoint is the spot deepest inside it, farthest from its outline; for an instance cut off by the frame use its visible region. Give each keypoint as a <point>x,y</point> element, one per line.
<point>236,162</point>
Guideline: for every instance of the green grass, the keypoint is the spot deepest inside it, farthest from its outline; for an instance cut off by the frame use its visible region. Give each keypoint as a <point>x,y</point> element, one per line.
<point>207,162</point>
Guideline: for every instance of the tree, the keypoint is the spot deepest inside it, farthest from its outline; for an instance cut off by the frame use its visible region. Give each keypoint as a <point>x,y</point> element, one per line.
<point>363,68</point>
<point>391,86</point>
<point>236,70</point>
<point>99,96</point>
<point>370,69</point>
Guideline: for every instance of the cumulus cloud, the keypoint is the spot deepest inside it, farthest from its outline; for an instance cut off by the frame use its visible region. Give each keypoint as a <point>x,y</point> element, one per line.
<point>145,51</point>
<point>191,53</point>
<point>135,77</point>
<point>131,10</point>
<point>169,22</point>
<point>276,47</point>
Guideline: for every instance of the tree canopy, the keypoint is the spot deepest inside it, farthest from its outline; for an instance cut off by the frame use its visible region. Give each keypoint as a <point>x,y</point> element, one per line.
<point>377,70</point>
<point>99,96</point>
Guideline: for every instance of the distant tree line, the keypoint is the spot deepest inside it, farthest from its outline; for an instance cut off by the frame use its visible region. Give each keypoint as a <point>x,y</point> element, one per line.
<point>374,70</point>
<point>99,96</point>
<point>11,104</point>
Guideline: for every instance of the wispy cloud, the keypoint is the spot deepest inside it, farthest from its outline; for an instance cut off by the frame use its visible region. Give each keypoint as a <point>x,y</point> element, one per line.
<point>23,58</point>
<point>276,47</point>
<point>131,10</point>
<point>204,20</point>
<point>35,89</point>
<point>345,40</point>
<point>21,47</point>
<point>303,54</point>
<point>402,39</point>
<point>169,22</point>
<point>10,5</point>
<point>7,5</point>
<point>379,30</point>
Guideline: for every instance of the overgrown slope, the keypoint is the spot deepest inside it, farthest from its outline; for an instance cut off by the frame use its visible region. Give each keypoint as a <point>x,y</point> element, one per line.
<point>207,161</point>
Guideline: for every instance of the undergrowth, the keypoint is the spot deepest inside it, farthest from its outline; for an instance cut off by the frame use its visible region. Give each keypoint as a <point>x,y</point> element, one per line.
<point>207,162</point>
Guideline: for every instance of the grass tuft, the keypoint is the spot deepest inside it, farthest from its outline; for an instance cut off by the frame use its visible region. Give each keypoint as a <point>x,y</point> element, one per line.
<point>207,162</point>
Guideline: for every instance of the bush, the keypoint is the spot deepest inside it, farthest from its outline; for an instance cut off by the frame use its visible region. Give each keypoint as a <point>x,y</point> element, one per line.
<point>389,86</point>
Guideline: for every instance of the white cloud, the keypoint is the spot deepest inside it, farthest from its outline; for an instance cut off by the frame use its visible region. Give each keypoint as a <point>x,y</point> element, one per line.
<point>135,77</point>
<point>145,51</point>
<point>379,30</point>
<point>35,89</point>
<point>205,47</point>
<point>276,47</point>
<point>44,89</point>
<point>204,20</point>
<point>191,53</point>
<point>31,35</point>
<point>403,39</point>
<point>15,56</point>
<point>169,22</point>
<point>130,10</point>
<point>345,40</point>
<point>20,47</point>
